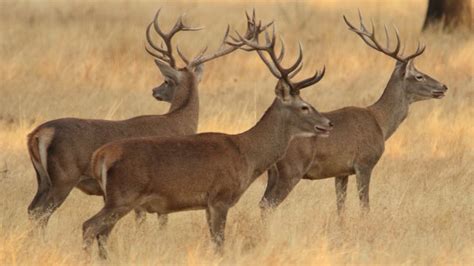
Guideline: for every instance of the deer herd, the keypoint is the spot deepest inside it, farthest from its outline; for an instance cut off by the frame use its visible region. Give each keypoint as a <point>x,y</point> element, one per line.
<point>159,164</point>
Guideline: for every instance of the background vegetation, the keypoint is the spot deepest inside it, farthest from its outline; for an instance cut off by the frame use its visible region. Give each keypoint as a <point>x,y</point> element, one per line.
<point>86,59</point>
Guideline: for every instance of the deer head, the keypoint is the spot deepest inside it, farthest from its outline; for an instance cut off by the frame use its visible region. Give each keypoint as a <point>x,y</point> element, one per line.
<point>303,118</point>
<point>416,85</point>
<point>176,77</point>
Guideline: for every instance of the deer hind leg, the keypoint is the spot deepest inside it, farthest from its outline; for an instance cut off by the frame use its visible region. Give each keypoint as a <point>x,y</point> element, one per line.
<point>341,192</point>
<point>363,182</point>
<point>50,200</point>
<point>99,227</point>
<point>216,217</point>
<point>36,209</point>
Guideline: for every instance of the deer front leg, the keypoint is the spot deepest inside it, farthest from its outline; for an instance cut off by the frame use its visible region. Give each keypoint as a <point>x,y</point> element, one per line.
<point>272,177</point>
<point>162,220</point>
<point>216,218</point>
<point>140,216</point>
<point>283,180</point>
<point>341,192</point>
<point>363,182</point>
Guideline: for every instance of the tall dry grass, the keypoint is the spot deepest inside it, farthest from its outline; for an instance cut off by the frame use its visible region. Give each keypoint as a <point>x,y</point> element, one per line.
<point>86,59</point>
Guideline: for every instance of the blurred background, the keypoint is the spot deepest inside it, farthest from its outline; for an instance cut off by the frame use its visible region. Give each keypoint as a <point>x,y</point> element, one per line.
<point>87,59</point>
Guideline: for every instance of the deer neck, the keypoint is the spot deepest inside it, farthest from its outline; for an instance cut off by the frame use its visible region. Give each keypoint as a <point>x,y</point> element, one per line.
<point>185,104</point>
<point>266,142</point>
<point>392,107</point>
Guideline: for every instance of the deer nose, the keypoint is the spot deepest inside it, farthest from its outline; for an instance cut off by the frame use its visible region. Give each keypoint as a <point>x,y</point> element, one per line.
<point>445,88</point>
<point>331,124</point>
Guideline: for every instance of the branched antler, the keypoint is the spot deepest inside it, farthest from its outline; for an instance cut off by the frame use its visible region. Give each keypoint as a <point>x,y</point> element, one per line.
<point>230,43</point>
<point>369,38</point>
<point>274,64</point>
<point>160,52</point>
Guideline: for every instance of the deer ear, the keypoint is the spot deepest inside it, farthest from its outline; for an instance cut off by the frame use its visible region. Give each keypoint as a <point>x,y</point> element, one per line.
<point>409,69</point>
<point>198,71</point>
<point>167,71</point>
<point>282,91</point>
<point>406,69</point>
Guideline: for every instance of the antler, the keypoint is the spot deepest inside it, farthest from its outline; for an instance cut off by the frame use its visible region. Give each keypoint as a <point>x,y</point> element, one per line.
<point>369,38</point>
<point>165,54</point>
<point>227,46</point>
<point>275,66</point>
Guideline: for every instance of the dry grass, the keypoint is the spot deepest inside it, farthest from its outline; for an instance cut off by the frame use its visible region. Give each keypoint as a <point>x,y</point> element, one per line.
<point>86,59</point>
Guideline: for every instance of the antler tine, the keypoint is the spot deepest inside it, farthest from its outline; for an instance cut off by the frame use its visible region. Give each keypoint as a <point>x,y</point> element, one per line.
<point>282,51</point>
<point>155,23</point>
<point>150,42</point>
<point>201,54</point>
<point>185,60</point>
<point>274,70</point>
<point>226,35</point>
<point>263,28</point>
<point>270,42</point>
<point>397,48</point>
<point>253,30</point>
<point>179,26</point>
<point>310,81</point>
<point>298,60</point>
<point>361,21</point>
<point>294,73</point>
<point>387,39</point>
<point>157,55</point>
<point>247,15</point>
<point>418,52</point>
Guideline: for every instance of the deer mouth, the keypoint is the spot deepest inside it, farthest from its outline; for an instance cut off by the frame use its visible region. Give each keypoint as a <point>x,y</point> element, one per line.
<point>158,97</point>
<point>437,94</point>
<point>322,131</point>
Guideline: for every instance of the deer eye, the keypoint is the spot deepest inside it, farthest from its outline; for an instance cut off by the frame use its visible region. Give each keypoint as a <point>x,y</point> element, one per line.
<point>304,108</point>
<point>419,77</point>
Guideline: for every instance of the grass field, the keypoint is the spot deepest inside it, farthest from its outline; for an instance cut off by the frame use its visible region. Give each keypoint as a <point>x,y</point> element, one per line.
<point>86,59</point>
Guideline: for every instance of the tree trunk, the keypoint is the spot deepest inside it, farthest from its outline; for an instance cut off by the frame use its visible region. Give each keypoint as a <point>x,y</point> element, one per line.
<point>451,14</point>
